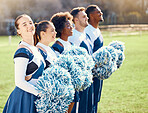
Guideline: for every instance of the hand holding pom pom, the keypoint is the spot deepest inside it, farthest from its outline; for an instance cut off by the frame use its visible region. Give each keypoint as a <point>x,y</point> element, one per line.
<point>108,59</point>
<point>103,68</point>
<point>56,90</point>
<point>114,56</point>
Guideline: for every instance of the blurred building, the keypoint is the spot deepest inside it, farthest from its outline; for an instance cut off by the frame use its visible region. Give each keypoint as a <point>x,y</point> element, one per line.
<point>114,12</point>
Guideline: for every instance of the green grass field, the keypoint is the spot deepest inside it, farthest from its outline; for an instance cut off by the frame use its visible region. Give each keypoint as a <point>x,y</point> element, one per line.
<point>126,91</point>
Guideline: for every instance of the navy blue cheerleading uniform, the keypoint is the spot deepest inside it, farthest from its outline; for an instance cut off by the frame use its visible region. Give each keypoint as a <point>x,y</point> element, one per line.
<point>47,53</point>
<point>21,100</point>
<point>97,42</point>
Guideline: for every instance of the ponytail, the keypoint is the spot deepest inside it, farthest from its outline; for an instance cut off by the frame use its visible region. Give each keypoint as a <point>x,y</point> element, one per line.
<point>36,35</point>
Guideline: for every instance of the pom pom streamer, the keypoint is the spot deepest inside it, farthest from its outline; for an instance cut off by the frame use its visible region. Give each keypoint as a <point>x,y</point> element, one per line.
<point>118,45</point>
<point>75,51</point>
<point>88,79</point>
<point>112,51</point>
<point>67,62</point>
<point>83,63</point>
<point>56,91</point>
<point>103,72</point>
<point>104,64</point>
<point>108,59</point>
<point>86,65</point>
<point>114,56</point>
<point>102,57</point>
<point>81,52</point>
<point>120,59</point>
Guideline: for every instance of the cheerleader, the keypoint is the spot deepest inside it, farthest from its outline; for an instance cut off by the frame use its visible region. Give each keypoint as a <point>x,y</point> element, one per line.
<point>29,65</point>
<point>44,35</point>
<point>95,16</point>
<point>62,22</point>
<point>79,38</point>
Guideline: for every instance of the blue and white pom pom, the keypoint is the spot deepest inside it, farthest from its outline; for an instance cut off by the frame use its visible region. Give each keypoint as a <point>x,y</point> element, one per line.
<point>68,63</point>
<point>90,63</point>
<point>81,52</point>
<point>104,64</point>
<point>56,91</point>
<point>112,52</point>
<point>74,50</point>
<point>102,57</point>
<point>120,59</point>
<point>64,61</point>
<point>86,65</point>
<point>114,56</point>
<point>83,61</point>
<point>103,72</point>
<point>88,79</point>
<point>117,45</point>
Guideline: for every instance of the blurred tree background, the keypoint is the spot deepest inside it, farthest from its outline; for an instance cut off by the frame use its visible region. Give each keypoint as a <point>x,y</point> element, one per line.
<point>115,11</point>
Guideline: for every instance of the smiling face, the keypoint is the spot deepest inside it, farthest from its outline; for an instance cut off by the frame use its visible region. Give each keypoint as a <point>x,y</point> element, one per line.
<point>67,31</point>
<point>26,27</point>
<point>50,33</point>
<point>82,19</point>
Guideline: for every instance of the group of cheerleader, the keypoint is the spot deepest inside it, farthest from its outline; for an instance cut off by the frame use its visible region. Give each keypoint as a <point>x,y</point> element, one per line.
<point>34,55</point>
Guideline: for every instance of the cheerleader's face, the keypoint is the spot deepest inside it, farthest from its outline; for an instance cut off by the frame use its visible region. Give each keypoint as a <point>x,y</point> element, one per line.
<point>67,31</point>
<point>50,33</point>
<point>26,27</point>
<point>82,19</point>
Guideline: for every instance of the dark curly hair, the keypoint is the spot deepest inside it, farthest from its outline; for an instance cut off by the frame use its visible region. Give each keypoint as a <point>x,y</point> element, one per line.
<point>59,20</point>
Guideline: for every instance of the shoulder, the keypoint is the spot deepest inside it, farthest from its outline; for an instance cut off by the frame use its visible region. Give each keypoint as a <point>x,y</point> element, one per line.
<point>77,38</point>
<point>43,53</point>
<point>73,39</point>
<point>57,46</point>
<point>87,29</point>
<point>22,52</point>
